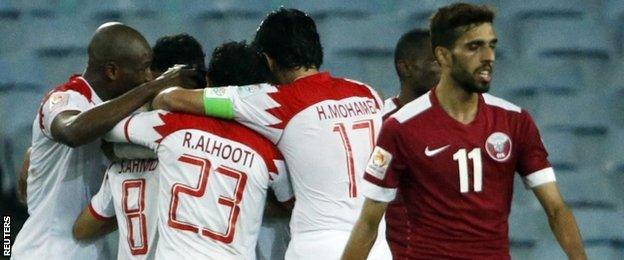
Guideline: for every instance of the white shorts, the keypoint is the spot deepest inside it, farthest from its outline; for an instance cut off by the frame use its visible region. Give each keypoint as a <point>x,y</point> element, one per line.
<point>329,245</point>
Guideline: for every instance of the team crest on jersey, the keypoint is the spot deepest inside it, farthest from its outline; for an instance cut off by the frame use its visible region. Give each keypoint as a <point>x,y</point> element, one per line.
<point>378,163</point>
<point>498,146</point>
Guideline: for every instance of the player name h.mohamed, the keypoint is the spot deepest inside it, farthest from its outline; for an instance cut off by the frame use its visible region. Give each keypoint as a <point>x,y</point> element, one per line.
<point>351,109</point>
<point>208,144</point>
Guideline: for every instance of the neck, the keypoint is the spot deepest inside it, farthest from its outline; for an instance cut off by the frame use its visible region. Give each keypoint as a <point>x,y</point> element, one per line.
<point>408,92</point>
<point>455,101</point>
<point>96,82</point>
<point>289,76</point>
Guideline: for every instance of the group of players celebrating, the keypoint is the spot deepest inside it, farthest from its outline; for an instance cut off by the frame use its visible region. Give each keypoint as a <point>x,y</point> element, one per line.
<point>197,159</point>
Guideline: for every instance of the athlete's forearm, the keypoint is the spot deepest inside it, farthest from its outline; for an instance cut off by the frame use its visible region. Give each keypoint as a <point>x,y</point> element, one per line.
<point>180,100</point>
<point>89,125</point>
<point>362,239</point>
<point>563,225</point>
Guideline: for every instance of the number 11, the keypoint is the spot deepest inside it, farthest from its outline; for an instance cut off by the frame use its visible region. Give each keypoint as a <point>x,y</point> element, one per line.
<point>477,171</point>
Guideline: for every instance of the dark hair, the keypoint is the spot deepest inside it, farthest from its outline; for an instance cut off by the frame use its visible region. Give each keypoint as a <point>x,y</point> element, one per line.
<point>410,44</point>
<point>177,49</point>
<point>236,63</point>
<point>289,36</point>
<point>447,22</point>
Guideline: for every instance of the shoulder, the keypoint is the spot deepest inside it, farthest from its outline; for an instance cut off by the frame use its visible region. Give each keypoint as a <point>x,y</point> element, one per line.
<point>413,109</point>
<point>500,103</point>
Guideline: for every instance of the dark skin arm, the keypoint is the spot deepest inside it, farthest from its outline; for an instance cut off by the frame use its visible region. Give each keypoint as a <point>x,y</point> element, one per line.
<point>87,227</point>
<point>180,100</point>
<point>75,128</point>
<point>23,178</point>
<point>561,220</point>
<point>364,232</point>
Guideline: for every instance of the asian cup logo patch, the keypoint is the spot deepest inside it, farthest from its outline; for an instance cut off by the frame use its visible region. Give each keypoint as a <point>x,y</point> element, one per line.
<point>498,146</point>
<point>378,163</point>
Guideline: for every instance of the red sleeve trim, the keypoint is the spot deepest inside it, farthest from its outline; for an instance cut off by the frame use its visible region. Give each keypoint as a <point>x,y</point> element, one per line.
<point>97,215</point>
<point>374,180</point>
<point>126,125</point>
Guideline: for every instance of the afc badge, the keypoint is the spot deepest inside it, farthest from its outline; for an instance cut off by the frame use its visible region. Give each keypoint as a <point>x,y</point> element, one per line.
<point>378,163</point>
<point>58,99</point>
<point>498,146</point>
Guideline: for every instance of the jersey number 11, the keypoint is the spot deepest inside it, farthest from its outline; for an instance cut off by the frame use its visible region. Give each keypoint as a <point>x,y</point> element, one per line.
<point>477,169</point>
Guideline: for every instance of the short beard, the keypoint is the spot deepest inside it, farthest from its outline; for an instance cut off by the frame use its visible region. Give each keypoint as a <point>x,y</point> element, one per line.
<point>466,80</point>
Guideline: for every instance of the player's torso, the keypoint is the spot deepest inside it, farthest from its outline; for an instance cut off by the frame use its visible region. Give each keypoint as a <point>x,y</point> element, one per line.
<point>213,193</point>
<point>134,187</point>
<point>326,145</point>
<point>460,175</point>
<point>60,183</point>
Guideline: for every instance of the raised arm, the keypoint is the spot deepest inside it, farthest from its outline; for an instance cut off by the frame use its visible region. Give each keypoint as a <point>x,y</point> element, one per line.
<point>364,232</point>
<point>561,220</point>
<point>180,100</point>
<point>75,128</point>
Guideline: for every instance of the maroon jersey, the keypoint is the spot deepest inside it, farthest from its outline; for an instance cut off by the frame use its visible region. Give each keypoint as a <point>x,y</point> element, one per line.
<point>456,179</point>
<point>397,222</point>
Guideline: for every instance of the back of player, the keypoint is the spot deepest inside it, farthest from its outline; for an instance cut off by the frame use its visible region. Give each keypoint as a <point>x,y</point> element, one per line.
<point>214,176</point>
<point>130,192</point>
<point>325,126</point>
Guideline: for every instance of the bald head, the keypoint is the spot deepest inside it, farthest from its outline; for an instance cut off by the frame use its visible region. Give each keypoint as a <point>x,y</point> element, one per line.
<point>119,59</point>
<point>116,42</point>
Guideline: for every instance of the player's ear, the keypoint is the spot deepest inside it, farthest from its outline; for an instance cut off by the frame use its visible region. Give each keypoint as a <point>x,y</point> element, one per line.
<point>403,68</point>
<point>111,70</point>
<point>270,62</point>
<point>443,56</point>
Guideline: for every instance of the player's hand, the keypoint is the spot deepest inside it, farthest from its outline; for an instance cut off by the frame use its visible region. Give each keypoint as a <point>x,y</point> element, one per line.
<point>178,75</point>
<point>108,149</point>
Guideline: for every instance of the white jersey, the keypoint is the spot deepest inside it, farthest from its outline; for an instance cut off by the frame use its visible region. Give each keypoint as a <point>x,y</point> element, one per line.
<point>61,181</point>
<point>130,192</point>
<point>213,180</point>
<point>326,128</point>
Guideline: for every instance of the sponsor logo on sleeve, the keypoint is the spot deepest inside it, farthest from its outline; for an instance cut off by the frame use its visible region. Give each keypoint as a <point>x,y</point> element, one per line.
<point>378,163</point>
<point>59,99</point>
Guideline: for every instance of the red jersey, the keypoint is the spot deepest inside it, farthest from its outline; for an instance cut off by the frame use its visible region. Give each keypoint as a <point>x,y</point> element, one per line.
<point>397,222</point>
<point>456,179</point>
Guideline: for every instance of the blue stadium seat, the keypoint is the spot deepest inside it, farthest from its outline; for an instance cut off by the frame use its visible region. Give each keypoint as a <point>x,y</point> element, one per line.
<point>561,149</point>
<point>419,12</point>
<point>11,27</point>
<point>372,44</point>
<point>526,226</point>
<point>322,9</point>
<point>60,43</point>
<point>588,188</point>
<point>614,159</point>
<point>567,38</point>
<point>226,20</point>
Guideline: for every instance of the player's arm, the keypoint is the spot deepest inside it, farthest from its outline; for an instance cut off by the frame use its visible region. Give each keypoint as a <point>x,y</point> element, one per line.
<point>364,232</point>
<point>180,100</point>
<point>22,180</point>
<point>75,128</point>
<point>88,226</point>
<point>561,220</point>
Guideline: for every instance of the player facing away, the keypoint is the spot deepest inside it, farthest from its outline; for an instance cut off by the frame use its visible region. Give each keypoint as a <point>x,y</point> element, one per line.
<point>325,126</point>
<point>129,191</point>
<point>453,153</point>
<point>418,71</point>
<point>213,181</point>
<point>66,165</point>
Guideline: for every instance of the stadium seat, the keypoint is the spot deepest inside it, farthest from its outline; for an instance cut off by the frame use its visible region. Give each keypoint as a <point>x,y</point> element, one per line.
<point>614,159</point>
<point>588,188</point>
<point>526,227</point>
<point>321,9</point>
<point>61,47</point>
<point>11,28</point>
<point>567,38</point>
<point>226,20</point>
<point>561,149</point>
<point>419,12</point>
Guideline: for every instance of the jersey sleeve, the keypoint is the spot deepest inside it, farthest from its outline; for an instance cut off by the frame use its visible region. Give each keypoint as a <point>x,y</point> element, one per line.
<point>280,182</point>
<point>533,164</point>
<point>61,101</point>
<point>250,105</point>
<point>385,166</point>
<point>101,206</point>
<point>140,129</point>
